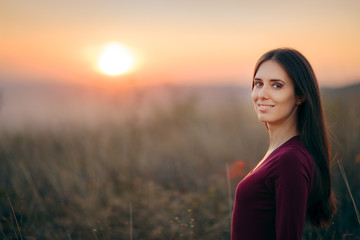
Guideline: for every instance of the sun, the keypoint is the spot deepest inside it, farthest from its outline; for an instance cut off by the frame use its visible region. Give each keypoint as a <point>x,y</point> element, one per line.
<point>115,59</point>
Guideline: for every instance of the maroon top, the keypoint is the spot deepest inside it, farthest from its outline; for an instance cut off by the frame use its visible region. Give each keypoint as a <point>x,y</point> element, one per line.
<point>271,201</point>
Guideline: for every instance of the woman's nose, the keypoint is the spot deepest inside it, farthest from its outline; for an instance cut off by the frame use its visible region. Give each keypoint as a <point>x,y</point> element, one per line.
<point>263,92</point>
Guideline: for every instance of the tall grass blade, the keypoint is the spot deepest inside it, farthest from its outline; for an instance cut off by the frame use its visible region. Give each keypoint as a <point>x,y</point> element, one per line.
<point>131,221</point>
<point>2,231</point>
<point>13,212</point>
<point>342,170</point>
<point>229,190</point>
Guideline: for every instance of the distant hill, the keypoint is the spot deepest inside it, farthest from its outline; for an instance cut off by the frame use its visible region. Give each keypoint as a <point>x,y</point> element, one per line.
<point>349,90</point>
<point>27,104</point>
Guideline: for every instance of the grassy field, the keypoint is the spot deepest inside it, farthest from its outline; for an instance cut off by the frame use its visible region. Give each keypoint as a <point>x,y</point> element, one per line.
<point>159,177</point>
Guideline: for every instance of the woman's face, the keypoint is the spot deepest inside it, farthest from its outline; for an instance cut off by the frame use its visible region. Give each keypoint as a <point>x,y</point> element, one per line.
<point>273,95</point>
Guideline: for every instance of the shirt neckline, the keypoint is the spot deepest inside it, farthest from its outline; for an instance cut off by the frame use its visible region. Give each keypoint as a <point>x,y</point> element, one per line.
<point>274,151</point>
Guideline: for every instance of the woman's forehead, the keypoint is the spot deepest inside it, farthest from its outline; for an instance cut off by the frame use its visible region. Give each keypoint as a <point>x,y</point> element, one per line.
<point>270,70</point>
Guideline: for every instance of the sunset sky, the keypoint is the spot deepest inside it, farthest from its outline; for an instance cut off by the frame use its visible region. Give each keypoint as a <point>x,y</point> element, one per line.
<point>176,41</point>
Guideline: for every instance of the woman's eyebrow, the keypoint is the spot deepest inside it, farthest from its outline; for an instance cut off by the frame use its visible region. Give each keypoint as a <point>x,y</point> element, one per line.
<point>277,80</point>
<point>271,80</point>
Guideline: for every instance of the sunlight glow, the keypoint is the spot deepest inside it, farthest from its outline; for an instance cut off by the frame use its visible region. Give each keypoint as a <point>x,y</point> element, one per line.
<point>115,59</point>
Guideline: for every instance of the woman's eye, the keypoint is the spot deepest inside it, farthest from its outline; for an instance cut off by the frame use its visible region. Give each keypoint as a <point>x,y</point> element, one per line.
<point>257,84</point>
<point>277,85</point>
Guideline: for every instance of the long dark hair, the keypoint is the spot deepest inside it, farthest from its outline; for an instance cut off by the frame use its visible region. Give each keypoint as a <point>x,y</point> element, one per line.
<point>312,130</point>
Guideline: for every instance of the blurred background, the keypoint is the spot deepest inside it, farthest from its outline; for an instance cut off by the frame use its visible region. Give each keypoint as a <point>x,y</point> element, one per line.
<point>133,120</point>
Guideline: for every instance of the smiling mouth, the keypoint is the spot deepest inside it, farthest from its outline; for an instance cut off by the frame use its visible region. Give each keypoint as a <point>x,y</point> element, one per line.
<point>265,107</point>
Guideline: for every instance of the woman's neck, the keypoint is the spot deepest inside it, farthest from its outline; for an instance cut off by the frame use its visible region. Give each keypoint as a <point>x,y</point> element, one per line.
<point>279,135</point>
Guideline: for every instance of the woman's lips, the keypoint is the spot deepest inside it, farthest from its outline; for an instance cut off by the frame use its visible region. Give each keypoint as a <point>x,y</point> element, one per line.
<point>264,107</point>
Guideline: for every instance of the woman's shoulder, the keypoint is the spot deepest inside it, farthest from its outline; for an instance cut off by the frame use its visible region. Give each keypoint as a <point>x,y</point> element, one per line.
<point>293,156</point>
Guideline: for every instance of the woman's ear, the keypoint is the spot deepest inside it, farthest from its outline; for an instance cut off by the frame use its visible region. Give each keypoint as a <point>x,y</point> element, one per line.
<point>300,100</point>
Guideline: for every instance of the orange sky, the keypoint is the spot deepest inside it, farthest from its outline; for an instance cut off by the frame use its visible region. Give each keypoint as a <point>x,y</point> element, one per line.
<point>176,41</point>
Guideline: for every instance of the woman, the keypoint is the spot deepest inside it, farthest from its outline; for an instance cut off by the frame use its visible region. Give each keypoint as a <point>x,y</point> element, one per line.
<point>292,182</point>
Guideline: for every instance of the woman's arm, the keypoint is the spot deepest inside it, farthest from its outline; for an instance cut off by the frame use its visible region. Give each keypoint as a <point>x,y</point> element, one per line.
<point>293,181</point>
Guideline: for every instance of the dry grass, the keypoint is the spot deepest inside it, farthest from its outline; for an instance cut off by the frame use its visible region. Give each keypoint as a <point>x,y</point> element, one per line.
<point>167,172</point>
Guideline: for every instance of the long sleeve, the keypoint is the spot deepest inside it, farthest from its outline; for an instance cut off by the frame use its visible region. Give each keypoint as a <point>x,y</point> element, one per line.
<point>271,201</point>
<point>292,187</point>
